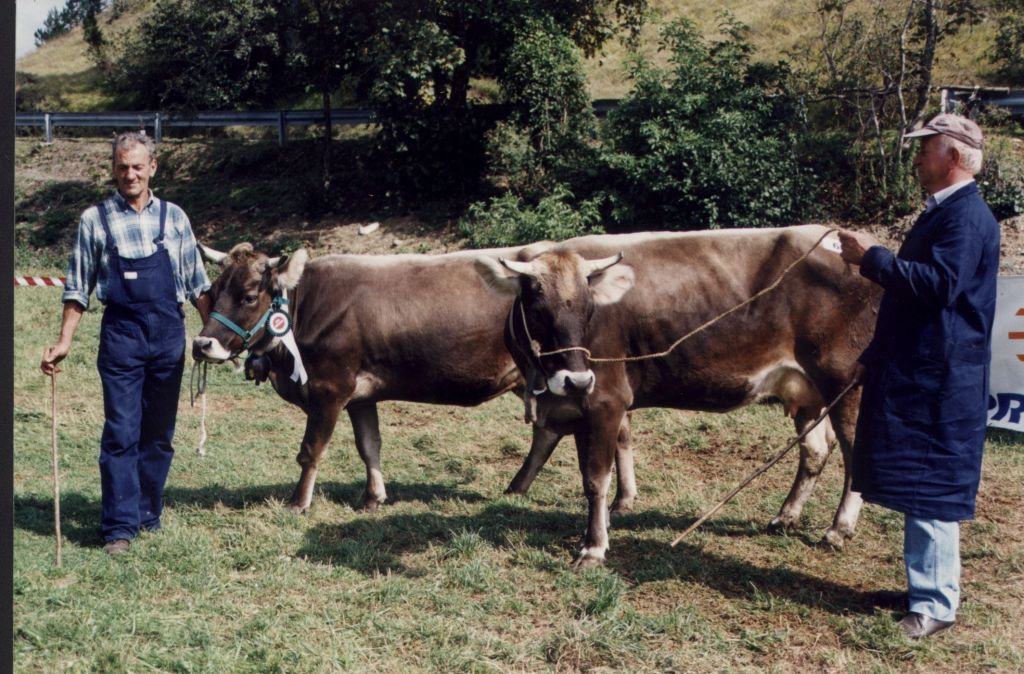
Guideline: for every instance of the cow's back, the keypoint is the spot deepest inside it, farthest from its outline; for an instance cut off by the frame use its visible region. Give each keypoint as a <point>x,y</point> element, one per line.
<point>819,318</point>
<point>404,327</point>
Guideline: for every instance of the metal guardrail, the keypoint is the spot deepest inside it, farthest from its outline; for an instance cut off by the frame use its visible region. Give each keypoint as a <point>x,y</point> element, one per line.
<point>973,97</point>
<point>157,121</point>
<point>282,119</point>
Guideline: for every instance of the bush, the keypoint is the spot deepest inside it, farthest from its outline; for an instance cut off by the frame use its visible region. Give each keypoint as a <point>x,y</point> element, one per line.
<point>706,143</point>
<point>1008,50</point>
<point>856,182</point>
<point>1001,180</point>
<point>508,221</point>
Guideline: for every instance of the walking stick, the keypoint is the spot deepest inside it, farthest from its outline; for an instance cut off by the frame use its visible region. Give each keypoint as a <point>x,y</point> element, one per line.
<point>771,462</point>
<point>55,460</point>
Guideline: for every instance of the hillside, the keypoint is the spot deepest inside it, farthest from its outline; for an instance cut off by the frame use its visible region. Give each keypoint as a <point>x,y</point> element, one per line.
<point>54,183</point>
<point>60,77</point>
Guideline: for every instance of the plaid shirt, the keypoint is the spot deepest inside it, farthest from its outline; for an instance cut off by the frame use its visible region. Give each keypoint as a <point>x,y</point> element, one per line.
<point>133,233</point>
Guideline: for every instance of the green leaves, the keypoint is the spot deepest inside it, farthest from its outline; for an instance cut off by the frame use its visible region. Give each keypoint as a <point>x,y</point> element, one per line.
<point>706,142</point>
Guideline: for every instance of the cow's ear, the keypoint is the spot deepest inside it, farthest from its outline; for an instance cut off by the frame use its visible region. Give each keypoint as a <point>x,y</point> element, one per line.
<point>499,279</point>
<point>290,268</point>
<point>608,286</point>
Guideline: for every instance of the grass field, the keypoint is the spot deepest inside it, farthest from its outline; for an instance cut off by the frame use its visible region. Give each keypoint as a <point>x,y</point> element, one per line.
<point>454,576</point>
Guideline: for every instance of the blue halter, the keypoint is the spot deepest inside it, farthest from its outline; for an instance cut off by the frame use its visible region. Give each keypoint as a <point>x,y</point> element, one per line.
<point>247,335</point>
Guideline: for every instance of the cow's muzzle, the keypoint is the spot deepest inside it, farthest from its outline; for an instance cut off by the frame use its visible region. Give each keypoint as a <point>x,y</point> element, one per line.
<point>568,383</point>
<point>210,350</point>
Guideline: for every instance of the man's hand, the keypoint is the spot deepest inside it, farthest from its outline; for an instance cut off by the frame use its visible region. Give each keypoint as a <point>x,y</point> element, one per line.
<point>855,244</point>
<point>69,324</point>
<point>53,355</point>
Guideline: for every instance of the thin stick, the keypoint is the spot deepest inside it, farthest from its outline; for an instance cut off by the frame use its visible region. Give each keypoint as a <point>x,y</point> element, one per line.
<point>771,462</point>
<point>55,460</point>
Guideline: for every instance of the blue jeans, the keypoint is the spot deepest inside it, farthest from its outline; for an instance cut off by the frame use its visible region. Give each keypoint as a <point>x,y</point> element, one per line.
<point>931,550</point>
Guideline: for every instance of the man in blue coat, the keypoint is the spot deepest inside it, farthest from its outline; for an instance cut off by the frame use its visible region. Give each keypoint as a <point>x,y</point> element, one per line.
<point>925,374</point>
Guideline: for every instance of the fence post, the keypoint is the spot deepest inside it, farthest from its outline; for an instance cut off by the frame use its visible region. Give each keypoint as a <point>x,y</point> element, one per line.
<point>282,129</point>
<point>158,131</point>
<point>49,128</point>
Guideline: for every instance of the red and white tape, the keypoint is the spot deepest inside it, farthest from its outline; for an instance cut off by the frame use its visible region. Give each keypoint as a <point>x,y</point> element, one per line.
<point>39,281</point>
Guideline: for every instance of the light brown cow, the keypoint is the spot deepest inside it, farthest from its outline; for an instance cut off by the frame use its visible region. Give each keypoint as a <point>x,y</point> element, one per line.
<point>797,343</point>
<point>368,328</point>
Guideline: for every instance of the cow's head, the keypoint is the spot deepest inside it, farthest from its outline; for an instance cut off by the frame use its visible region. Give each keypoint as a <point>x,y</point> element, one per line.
<point>556,294</point>
<point>243,294</point>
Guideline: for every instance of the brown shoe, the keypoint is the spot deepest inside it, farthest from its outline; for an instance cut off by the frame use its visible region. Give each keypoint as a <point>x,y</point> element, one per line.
<point>919,626</point>
<point>118,547</point>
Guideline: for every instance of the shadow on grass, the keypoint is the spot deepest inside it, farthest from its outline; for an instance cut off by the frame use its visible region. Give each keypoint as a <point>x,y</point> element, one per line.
<point>377,543</point>
<point>80,515</point>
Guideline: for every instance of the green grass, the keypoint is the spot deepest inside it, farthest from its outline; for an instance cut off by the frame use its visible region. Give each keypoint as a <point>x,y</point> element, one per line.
<point>452,575</point>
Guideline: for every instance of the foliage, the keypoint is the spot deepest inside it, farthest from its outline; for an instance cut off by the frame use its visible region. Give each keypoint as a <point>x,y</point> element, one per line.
<point>238,63</point>
<point>1002,177</point>
<point>869,73</point>
<point>551,119</point>
<point>1008,48</point>
<point>707,142</point>
<point>61,20</point>
<point>508,221</point>
<point>417,61</point>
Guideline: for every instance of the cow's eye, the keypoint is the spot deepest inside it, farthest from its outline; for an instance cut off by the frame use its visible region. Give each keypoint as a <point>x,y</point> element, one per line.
<point>250,299</point>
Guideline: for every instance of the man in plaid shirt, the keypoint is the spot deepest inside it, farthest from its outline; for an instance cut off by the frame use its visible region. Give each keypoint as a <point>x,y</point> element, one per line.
<point>139,254</point>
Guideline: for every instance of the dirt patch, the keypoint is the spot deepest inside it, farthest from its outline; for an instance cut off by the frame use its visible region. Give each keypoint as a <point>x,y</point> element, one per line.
<point>1011,257</point>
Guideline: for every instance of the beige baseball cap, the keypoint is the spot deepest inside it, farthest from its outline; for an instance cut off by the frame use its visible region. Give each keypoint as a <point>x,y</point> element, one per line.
<point>954,126</point>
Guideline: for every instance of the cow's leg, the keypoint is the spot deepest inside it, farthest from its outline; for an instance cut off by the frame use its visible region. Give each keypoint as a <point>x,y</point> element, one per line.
<point>844,421</point>
<point>543,444</point>
<point>320,421</point>
<point>814,451</point>
<point>595,445</point>
<point>625,492</point>
<point>366,427</point>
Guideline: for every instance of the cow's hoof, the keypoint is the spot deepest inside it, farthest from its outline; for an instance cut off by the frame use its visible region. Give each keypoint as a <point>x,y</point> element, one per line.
<point>297,508</point>
<point>623,505</point>
<point>833,540</point>
<point>587,562</point>
<point>781,527</point>
<point>515,491</point>
<point>370,505</point>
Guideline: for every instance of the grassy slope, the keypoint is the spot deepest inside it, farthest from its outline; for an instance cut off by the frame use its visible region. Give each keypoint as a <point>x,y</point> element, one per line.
<point>65,78</point>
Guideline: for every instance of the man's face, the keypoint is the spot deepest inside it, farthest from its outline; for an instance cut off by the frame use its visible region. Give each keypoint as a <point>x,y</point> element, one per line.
<point>933,163</point>
<point>133,167</point>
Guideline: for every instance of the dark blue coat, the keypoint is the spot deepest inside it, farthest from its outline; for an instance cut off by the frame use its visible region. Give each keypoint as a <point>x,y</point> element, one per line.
<point>924,405</point>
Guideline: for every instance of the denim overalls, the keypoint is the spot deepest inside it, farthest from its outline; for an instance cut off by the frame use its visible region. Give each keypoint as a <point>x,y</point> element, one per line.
<point>141,360</point>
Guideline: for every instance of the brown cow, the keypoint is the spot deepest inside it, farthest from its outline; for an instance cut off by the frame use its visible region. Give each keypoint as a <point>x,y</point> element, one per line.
<point>370,328</point>
<point>797,343</point>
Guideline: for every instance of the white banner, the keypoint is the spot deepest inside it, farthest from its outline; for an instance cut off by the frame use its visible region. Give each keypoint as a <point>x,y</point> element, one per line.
<point>1006,388</point>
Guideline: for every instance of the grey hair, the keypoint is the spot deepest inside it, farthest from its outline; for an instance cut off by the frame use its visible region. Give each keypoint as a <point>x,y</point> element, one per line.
<point>970,158</point>
<point>128,139</point>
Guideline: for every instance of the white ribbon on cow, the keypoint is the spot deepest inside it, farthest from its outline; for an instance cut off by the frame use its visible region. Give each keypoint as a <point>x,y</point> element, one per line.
<point>298,371</point>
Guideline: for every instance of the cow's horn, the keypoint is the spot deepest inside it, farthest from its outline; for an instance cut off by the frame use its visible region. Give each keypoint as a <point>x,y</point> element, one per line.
<point>591,267</point>
<point>524,268</point>
<point>272,262</point>
<point>212,255</point>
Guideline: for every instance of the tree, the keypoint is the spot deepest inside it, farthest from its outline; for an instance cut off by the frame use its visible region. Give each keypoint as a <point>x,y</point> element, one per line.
<point>60,21</point>
<point>869,72</point>
<point>1008,50</point>
<point>237,61</point>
